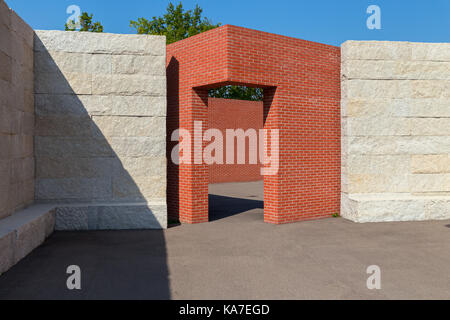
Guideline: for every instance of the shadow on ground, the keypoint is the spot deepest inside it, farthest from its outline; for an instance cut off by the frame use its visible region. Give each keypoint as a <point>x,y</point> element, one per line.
<point>231,199</point>
<point>221,207</point>
<point>114,265</point>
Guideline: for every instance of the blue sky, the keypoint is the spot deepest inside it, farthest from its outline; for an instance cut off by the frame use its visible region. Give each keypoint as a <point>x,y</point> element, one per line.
<point>325,21</point>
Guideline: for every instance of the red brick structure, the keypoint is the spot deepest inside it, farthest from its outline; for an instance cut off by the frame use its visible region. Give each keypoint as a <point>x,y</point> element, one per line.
<point>226,114</point>
<point>301,82</point>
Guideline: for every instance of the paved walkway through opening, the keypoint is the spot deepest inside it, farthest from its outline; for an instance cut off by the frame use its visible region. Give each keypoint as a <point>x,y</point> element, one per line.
<point>238,256</point>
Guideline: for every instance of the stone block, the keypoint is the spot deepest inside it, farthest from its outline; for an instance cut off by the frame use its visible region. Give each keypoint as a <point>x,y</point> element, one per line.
<point>394,207</point>
<point>22,78</point>
<point>67,83</point>
<point>428,107</point>
<point>113,126</point>
<point>398,89</point>
<point>391,210</point>
<point>5,146</point>
<point>138,146</point>
<point>5,14</point>
<point>72,218</point>
<point>377,183</point>
<point>30,228</point>
<point>6,250</point>
<point>99,63</point>
<point>379,126</point>
<point>119,216</point>
<point>138,106</point>
<point>437,209</point>
<point>72,147</point>
<point>28,191</point>
<point>399,145</point>
<point>420,183</point>
<point>18,97</point>
<point>64,126</point>
<point>5,67</point>
<point>132,64</point>
<point>141,166</point>
<point>72,62</point>
<point>430,163</point>
<point>5,181</point>
<point>98,43</point>
<point>59,168</point>
<point>430,127</point>
<point>344,180</point>
<point>22,170</point>
<point>16,122</point>
<point>32,234</point>
<point>430,89</point>
<point>6,123</point>
<point>132,217</point>
<point>21,146</point>
<point>431,51</point>
<point>82,189</point>
<point>22,29</point>
<point>396,70</point>
<point>65,105</point>
<point>27,124</point>
<point>55,167</point>
<point>349,207</point>
<point>130,188</point>
<point>376,50</point>
<point>23,232</point>
<point>29,237</point>
<point>21,53</point>
<point>129,85</point>
<point>60,62</point>
<point>28,102</point>
<point>5,28</point>
<point>5,89</point>
<point>16,200</point>
<point>383,164</point>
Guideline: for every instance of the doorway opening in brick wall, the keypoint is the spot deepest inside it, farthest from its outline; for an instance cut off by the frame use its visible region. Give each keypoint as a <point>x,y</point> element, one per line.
<point>236,185</point>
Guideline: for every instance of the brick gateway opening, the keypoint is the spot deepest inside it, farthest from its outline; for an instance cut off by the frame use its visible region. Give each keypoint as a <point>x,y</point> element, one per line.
<point>301,82</point>
<point>224,114</point>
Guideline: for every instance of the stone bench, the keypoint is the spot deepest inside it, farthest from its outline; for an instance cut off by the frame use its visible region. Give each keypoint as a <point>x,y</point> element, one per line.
<point>26,230</point>
<point>23,232</point>
<point>387,207</point>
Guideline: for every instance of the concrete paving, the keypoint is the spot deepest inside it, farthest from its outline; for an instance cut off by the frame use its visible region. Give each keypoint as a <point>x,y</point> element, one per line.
<point>238,256</point>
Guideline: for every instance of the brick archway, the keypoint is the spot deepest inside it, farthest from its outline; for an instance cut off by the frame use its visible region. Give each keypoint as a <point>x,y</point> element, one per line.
<point>301,99</point>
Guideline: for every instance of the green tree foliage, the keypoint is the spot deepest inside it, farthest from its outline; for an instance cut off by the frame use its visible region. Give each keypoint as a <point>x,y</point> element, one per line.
<point>86,24</point>
<point>237,92</point>
<point>177,24</point>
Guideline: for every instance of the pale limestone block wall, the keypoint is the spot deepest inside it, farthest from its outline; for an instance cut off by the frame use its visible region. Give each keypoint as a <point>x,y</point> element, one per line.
<point>16,113</point>
<point>100,139</point>
<point>396,131</point>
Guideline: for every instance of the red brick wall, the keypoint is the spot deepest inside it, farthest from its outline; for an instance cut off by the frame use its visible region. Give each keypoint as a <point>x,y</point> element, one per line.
<point>234,114</point>
<point>302,100</point>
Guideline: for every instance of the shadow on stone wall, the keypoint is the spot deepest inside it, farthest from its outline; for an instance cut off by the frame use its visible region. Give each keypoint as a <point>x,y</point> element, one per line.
<point>76,162</point>
<point>172,123</point>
